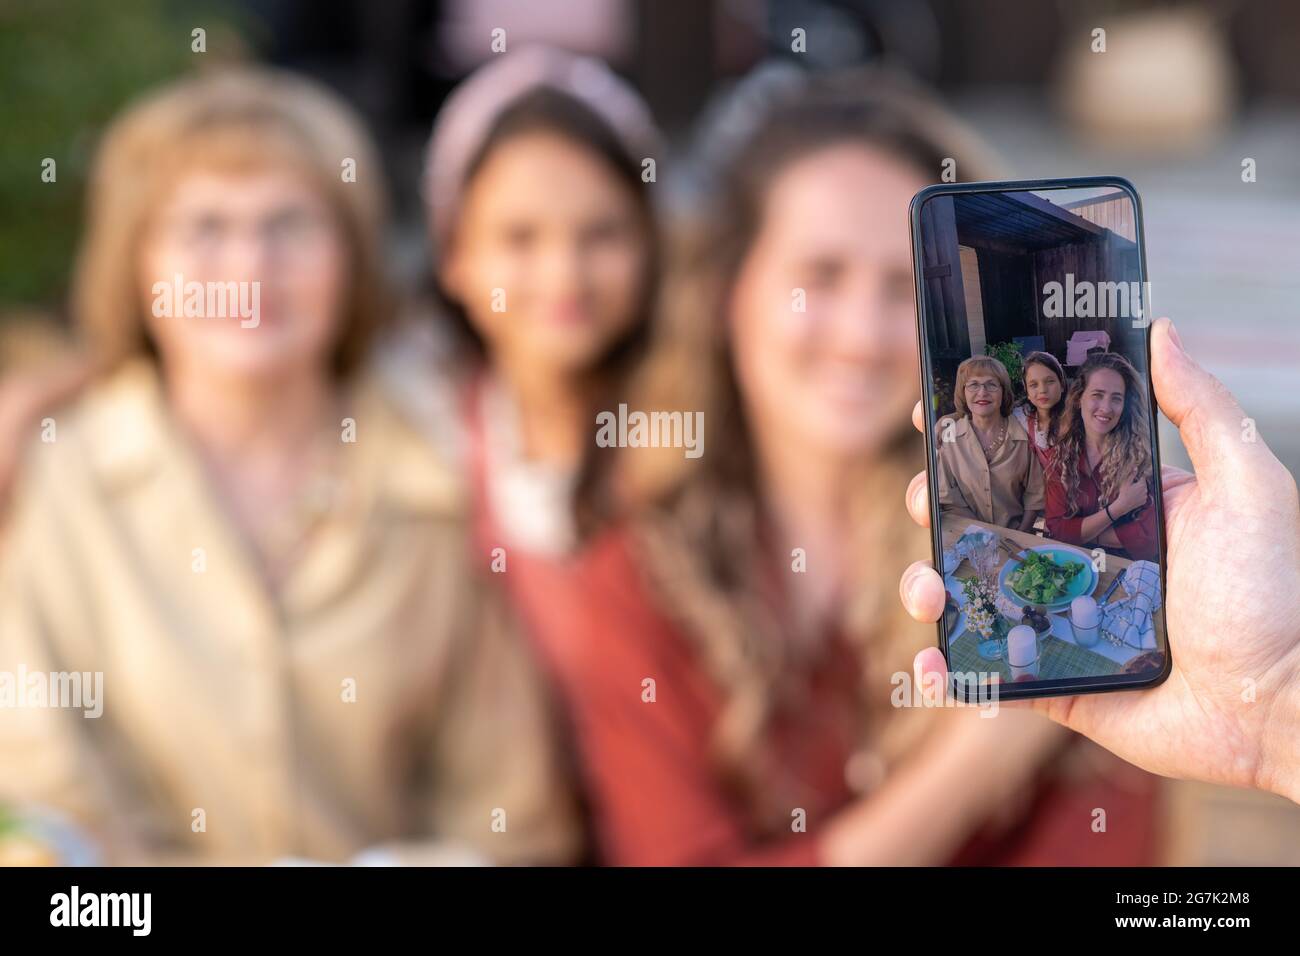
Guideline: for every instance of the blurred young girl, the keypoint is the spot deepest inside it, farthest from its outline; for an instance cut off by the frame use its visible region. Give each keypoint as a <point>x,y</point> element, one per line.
<point>262,559</point>
<point>545,254</point>
<point>1040,412</point>
<point>544,258</point>
<point>1098,489</point>
<point>729,655</point>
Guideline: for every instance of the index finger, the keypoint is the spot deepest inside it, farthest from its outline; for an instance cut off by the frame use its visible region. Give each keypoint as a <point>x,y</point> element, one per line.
<point>917,419</point>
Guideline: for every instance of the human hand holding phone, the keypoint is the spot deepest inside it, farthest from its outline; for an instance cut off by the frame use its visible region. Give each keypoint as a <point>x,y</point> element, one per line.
<point>1229,713</point>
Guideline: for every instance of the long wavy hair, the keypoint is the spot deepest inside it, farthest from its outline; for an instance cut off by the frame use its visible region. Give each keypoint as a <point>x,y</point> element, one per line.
<point>1048,361</point>
<point>702,525</point>
<point>1126,449</point>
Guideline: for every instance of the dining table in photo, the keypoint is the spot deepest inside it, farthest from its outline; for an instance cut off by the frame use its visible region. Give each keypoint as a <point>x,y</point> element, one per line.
<point>1060,656</point>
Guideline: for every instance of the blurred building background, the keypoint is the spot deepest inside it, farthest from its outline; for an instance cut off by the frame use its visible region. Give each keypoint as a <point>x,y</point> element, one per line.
<point>1197,103</point>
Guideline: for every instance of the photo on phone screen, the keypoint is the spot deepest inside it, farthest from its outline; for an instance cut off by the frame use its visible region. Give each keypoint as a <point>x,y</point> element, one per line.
<point>1041,433</point>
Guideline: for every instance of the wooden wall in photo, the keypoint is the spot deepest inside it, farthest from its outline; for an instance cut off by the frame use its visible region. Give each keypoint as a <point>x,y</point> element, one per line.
<point>1112,260</point>
<point>1114,212</point>
<point>943,290</point>
<point>1011,307</point>
<point>970,281</point>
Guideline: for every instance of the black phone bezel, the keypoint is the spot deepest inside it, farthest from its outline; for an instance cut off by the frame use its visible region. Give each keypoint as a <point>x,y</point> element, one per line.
<point>1054,688</point>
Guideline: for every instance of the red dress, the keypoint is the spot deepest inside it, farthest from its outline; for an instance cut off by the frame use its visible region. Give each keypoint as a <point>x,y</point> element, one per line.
<point>648,772</point>
<point>1136,530</point>
<point>1031,427</point>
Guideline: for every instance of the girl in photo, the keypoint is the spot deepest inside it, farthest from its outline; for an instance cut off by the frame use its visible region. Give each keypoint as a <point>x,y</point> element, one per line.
<point>986,466</point>
<point>1098,489</point>
<point>1040,412</point>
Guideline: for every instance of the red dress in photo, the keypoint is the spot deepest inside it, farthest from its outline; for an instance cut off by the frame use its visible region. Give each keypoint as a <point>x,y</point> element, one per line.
<point>1136,530</point>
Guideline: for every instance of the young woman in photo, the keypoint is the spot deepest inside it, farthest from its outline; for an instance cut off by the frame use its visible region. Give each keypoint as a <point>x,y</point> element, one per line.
<point>986,466</point>
<point>1040,412</point>
<point>1098,489</point>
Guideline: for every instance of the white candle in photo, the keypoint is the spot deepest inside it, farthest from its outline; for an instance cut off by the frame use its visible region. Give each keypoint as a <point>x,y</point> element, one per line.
<point>1022,653</point>
<point>1022,646</point>
<point>1083,611</point>
<point>1085,621</point>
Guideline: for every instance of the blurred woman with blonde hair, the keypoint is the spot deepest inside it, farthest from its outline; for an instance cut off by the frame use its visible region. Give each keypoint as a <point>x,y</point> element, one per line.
<point>240,533</point>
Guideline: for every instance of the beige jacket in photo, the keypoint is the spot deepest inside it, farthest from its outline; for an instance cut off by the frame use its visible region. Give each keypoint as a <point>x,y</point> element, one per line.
<point>1000,491</point>
<point>377,697</point>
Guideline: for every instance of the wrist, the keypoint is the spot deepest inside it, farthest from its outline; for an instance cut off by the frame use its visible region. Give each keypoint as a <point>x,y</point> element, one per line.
<point>1280,749</point>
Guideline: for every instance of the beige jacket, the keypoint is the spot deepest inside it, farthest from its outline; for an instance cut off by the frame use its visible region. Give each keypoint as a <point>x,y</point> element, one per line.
<point>1000,491</point>
<point>377,697</point>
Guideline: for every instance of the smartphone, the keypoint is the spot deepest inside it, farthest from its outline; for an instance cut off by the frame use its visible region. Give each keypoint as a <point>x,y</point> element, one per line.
<point>1047,521</point>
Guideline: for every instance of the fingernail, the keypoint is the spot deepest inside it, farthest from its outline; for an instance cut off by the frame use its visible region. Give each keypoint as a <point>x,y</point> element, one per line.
<point>1173,337</point>
<point>913,586</point>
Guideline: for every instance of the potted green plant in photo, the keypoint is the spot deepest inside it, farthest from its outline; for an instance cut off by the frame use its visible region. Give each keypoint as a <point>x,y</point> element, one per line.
<point>1008,353</point>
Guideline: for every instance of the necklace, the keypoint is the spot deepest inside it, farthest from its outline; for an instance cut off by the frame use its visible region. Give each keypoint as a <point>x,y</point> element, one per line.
<point>991,449</point>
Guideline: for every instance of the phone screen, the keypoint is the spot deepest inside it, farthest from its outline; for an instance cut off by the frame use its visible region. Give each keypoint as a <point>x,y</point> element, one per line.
<point>1041,435</point>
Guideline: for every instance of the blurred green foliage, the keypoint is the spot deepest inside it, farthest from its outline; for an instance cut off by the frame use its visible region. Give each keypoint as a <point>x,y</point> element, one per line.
<point>66,67</point>
<point>1008,353</point>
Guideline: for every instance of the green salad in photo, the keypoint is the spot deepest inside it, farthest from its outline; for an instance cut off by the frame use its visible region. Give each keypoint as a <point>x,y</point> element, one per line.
<point>1041,580</point>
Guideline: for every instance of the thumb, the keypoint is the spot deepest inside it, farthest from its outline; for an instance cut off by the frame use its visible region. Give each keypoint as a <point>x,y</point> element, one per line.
<point>1210,421</point>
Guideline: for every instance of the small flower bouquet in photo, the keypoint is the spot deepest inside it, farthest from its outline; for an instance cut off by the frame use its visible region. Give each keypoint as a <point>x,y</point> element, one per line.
<point>984,616</point>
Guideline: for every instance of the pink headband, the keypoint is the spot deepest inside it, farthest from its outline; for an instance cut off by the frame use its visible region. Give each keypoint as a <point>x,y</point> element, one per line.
<point>474,106</point>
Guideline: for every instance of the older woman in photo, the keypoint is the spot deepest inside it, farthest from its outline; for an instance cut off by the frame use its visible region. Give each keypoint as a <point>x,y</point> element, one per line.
<point>1098,489</point>
<point>986,467</point>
